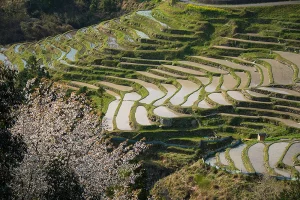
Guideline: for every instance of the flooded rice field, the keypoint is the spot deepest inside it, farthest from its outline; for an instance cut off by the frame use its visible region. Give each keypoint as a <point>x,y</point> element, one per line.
<point>236,156</point>
<point>213,85</point>
<point>141,116</point>
<point>122,119</point>
<point>187,88</point>
<point>237,96</point>
<point>256,157</point>
<point>163,111</point>
<point>192,99</point>
<point>219,99</point>
<point>171,90</point>
<point>204,104</point>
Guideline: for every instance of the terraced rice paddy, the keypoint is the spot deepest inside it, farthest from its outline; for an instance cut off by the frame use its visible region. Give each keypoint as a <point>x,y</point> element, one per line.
<point>256,154</point>
<point>275,152</point>
<point>219,99</point>
<point>109,116</point>
<point>141,116</point>
<point>165,112</point>
<point>223,159</point>
<point>122,119</point>
<point>204,67</point>
<point>236,156</point>
<point>293,150</point>
<point>154,92</point>
<point>71,55</point>
<point>191,99</point>
<point>148,14</point>
<point>142,34</point>
<point>229,82</point>
<point>213,85</point>
<point>280,91</point>
<point>256,157</point>
<point>292,57</point>
<point>203,80</point>
<point>204,104</point>
<point>285,78</point>
<point>171,91</point>
<point>237,96</point>
<point>244,79</point>
<point>153,69</point>
<point>187,87</point>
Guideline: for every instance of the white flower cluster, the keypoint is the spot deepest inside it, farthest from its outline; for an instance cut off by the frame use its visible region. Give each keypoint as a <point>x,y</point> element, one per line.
<point>54,126</point>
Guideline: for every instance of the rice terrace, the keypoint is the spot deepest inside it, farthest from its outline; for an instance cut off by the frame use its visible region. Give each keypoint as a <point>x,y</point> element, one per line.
<point>216,83</point>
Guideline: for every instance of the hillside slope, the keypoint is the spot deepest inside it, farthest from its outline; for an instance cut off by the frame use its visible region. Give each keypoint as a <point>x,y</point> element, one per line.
<point>194,81</point>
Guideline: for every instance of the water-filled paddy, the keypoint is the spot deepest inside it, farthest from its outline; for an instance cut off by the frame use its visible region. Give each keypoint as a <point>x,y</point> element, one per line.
<point>219,99</point>
<point>237,95</point>
<point>236,156</point>
<point>171,90</point>
<point>71,54</point>
<point>142,34</point>
<point>163,111</point>
<point>292,151</point>
<point>191,99</point>
<point>213,85</point>
<point>204,104</point>
<point>187,88</point>
<point>122,119</point>
<point>223,159</point>
<point>109,116</point>
<point>148,14</point>
<point>275,152</point>
<point>256,157</point>
<point>141,116</point>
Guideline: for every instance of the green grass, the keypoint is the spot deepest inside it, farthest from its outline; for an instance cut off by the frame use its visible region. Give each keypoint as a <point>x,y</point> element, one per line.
<point>202,181</point>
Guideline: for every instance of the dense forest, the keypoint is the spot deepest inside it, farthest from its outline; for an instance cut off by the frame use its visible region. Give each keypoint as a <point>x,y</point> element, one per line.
<point>27,20</point>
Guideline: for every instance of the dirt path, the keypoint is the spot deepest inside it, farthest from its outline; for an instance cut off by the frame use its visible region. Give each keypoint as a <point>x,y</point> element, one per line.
<point>245,5</point>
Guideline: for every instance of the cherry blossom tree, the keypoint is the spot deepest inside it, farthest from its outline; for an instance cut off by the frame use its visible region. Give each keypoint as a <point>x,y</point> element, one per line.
<point>57,128</point>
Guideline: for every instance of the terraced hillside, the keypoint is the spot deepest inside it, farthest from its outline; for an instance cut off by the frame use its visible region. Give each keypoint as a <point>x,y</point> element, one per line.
<point>178,75</point>
<point>274,158</point>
